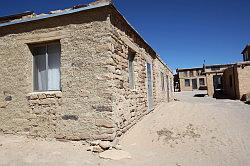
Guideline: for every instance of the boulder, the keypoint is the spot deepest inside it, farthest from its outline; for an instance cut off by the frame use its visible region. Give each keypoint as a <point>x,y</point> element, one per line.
<point>105,144</point>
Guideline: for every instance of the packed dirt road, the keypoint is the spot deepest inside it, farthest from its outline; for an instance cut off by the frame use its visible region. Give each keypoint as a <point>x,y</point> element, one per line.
<point>194,131</point>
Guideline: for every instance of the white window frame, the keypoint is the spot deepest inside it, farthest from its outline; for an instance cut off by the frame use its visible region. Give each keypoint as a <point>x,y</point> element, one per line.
<point>46,44</point>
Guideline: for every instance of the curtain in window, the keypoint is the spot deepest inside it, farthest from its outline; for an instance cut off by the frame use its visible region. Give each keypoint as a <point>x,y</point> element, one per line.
<point>40,73</point>
<point>54,67</point>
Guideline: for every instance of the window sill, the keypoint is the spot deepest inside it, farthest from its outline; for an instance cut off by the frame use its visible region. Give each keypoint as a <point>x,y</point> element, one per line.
<point>44,95</point>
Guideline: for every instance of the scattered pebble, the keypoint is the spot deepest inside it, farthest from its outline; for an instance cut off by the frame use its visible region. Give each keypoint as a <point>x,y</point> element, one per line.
<point>115,155</point>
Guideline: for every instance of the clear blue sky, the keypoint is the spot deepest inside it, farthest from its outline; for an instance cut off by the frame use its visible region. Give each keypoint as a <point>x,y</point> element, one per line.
<point>183,32</point>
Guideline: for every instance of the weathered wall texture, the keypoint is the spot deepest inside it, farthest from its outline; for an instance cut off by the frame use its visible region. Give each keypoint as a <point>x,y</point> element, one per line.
<point>240,80</point>
<point>239,87</point>
<point>230,86</point>
<point>95,102</point>
<point>165,93</point>
<point>210,84</point>
<point>131,104</point>
<point>244,80</point>
<point>84,110</point>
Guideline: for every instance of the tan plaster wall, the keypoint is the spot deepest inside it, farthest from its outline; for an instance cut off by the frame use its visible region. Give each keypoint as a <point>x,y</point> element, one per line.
<point>190,88</point>
<point>84,109</point>
<point>95,102</point>
<point>210,84</point>
<point>244,80</point>
<point>230,91</point>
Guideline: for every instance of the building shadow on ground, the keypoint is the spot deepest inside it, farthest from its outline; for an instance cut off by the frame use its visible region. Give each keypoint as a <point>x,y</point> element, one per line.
<point>200,95</point>
<point>219,95</point>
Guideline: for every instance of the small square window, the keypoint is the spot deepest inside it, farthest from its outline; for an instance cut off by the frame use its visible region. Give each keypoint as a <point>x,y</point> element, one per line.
<point>187,82</point>
<point>202,81</point>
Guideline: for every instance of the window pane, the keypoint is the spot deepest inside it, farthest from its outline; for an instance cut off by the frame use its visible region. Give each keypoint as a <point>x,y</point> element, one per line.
<point>187,82</point>
<point>54,63</point>
<point>202,81</point>
<point>40,74</point>
<point>131,70</point>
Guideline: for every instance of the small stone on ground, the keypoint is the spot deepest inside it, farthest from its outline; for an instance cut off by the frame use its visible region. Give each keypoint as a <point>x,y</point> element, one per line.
<point>115,155</point>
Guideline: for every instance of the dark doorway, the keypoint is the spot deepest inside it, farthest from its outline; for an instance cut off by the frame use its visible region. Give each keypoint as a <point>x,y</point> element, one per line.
<point>194,84</point>
<point>217,81</point>
<point>218,87</point>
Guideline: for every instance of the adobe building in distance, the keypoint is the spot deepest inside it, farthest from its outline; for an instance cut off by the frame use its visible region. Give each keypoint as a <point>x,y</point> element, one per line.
<point>237,78</point>
<point>81,73</point>
<point>214,78</point>
<point>222,80</point>
<point>191,79</point>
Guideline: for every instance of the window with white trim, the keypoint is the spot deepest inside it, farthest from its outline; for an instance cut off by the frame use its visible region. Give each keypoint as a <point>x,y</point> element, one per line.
<point>46,66</point>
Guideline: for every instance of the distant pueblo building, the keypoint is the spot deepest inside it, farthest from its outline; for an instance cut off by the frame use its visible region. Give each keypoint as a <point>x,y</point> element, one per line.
<point>79,74</point>
<point>230,80</point>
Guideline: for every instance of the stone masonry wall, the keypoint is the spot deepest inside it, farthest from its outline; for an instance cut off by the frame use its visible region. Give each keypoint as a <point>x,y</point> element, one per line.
<point>131,104</point>
<point>165,94</point>
<point>83,109</point>
<point>240,81</point>
<point>243,72</point>
<point>230,89</point>
<point>96,102</point>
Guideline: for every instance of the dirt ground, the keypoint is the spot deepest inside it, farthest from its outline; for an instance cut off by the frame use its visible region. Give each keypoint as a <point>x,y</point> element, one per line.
<point>194,131</point>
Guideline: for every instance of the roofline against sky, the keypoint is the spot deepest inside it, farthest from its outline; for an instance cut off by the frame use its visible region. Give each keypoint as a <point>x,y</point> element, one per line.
<point>247,46</point>
<point>85,9</point>
<point>55,14</point>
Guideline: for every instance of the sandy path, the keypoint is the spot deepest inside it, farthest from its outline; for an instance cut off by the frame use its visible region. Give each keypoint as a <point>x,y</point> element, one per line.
<point>190,132</point>
<point>193,131</point>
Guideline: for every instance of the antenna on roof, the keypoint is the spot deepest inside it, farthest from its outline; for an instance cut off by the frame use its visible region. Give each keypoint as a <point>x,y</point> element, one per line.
<point>204,64</point>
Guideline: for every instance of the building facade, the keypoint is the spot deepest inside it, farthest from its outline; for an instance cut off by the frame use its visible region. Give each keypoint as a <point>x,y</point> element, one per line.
<point>214,78</point>
<point>246,53</point>
<point>78,74</point>
<point>191,79</point>
<point>237,78</point>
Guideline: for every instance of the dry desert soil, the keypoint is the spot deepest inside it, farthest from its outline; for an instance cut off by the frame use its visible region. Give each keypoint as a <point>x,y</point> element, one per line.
<point>193,131</point>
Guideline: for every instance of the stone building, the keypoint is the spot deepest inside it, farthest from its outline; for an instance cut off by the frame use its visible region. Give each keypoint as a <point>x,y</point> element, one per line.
<point>246,53</point>
<point>79,74</point>
<point>236,79</point>
<point>214,78</point>
<point>208,77</point>
<point>191,79</point>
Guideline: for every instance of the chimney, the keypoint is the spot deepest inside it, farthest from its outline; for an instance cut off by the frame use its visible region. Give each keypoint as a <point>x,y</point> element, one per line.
<point>97,2</point>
